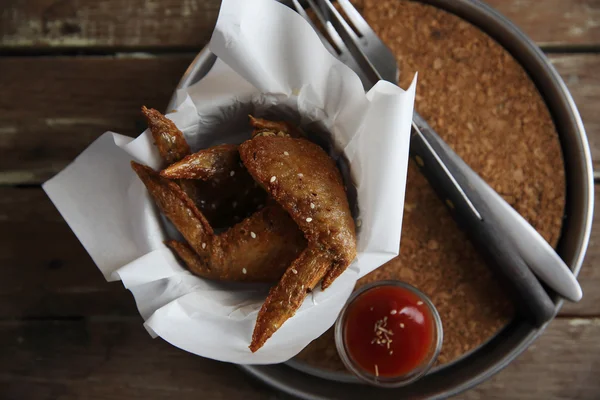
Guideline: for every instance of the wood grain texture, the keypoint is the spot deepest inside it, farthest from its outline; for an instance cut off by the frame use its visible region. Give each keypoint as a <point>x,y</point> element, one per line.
<point>71,101</point>
<point>554,23</point>
<point>47,273</point>
<point>116,359</point>
<point>581,73</point>
<point>52,108</point>
<point>109,359</point>
<point>160,24</point>
<point>562,364</point>
<point>105,24</point>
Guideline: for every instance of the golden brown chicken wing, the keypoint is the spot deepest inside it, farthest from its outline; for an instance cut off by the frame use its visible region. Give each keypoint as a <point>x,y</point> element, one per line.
<point>232,190</point>
<point>265,127</point>
<point>304,180</point>
<point>258,249</point>
<point>228,198</point>
<point>169,140</point>
<point>215,162</point>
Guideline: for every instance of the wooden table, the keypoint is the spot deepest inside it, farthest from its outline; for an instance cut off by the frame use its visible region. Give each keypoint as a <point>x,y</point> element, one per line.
<point>72,69</point>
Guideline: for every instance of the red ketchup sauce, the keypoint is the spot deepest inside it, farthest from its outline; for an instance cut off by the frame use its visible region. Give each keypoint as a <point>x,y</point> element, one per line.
<point>389,331</point>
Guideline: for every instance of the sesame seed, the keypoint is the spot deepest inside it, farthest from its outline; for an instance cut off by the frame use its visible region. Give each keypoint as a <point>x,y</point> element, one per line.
<point>419,303</point>
<point>273,179</point>
<point>232,173</point>
<point>202,201</point>
<point>294,271</point>
<point>401,325</point>
<point>391,352</point>
<point>203,245</point>
<point>234,204</point>
<point>286,153</point>
<point>244,271</point>
<point>371,308</point>
<point>359,222</point>
<point>300,175</point>
<point>376,370</point>
<point>253,235</point>
<point>213,206</point>
<point>308,219</point>
<point>393,312</point>
<point>312,205</point>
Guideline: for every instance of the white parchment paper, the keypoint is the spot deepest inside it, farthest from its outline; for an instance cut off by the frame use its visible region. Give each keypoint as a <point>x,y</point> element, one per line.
<point>269,62</point>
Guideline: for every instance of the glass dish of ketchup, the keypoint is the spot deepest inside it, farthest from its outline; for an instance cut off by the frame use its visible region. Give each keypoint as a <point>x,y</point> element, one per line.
<point>388,334</point>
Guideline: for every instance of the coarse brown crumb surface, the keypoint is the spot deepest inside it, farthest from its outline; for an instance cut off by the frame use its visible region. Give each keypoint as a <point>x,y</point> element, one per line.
<point>482,102</point>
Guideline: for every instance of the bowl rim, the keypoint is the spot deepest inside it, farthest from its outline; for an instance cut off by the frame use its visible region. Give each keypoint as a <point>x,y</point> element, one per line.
<point>518,335</point>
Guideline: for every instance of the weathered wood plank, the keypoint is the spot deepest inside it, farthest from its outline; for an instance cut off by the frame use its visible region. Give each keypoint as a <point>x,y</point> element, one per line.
<point>554,22</point>
<point>92,24</point>
<point>45,270</point>
<point>563,363</point>
<point>71,101</point>
<point>580,73</point>
<point>43,24</point>
<point>47,273</point>
<point>52,108</point>
<point>116,359</point>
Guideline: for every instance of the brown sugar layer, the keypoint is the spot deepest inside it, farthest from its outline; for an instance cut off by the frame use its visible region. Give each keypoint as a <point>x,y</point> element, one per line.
<point>481,101</point>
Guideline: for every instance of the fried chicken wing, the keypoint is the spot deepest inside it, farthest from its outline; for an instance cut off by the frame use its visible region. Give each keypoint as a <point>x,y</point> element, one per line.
<point>169,140</point>
<point>258,249</point>
<point>304,180</point>
<point>287,296</point>
<point>227,198</point>
<point>265,127</point>
<point>178,208</point>
<point>214,162</point>
<point>232,190</point>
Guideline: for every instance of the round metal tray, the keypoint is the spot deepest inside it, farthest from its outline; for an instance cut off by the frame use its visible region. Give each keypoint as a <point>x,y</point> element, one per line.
<point>307,382</point>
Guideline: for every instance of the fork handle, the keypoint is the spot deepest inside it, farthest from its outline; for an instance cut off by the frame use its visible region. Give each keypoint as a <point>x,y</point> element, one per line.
<point>472,211</point>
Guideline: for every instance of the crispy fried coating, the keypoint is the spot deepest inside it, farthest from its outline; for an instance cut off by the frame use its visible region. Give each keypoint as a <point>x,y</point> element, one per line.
<point>178,208</point>
<point>304,180</point>
<point>287,296</point>
<point>258,249</point>
<point>223,201</point>
<point>214,162</point>
<point>230,196</point>
<point>265,127</point>
<point>169,140</point>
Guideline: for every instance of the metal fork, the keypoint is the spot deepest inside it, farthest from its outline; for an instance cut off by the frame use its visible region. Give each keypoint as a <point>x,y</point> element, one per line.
<point>517,252</point>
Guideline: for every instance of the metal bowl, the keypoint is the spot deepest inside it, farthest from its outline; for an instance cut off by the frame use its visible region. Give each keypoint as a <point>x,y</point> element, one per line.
<point>494,355</point>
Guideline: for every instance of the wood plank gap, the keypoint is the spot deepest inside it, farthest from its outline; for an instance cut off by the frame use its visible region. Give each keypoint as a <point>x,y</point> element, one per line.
<point>569,49</point>
<point>123,52</point>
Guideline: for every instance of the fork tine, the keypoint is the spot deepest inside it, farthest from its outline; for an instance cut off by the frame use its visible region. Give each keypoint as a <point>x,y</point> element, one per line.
<point>339,18</point>
<point>300,10</point>
<point>354,16</point>
<point>333,35</point>
<point>342,53</point>
<point>352,41</point>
